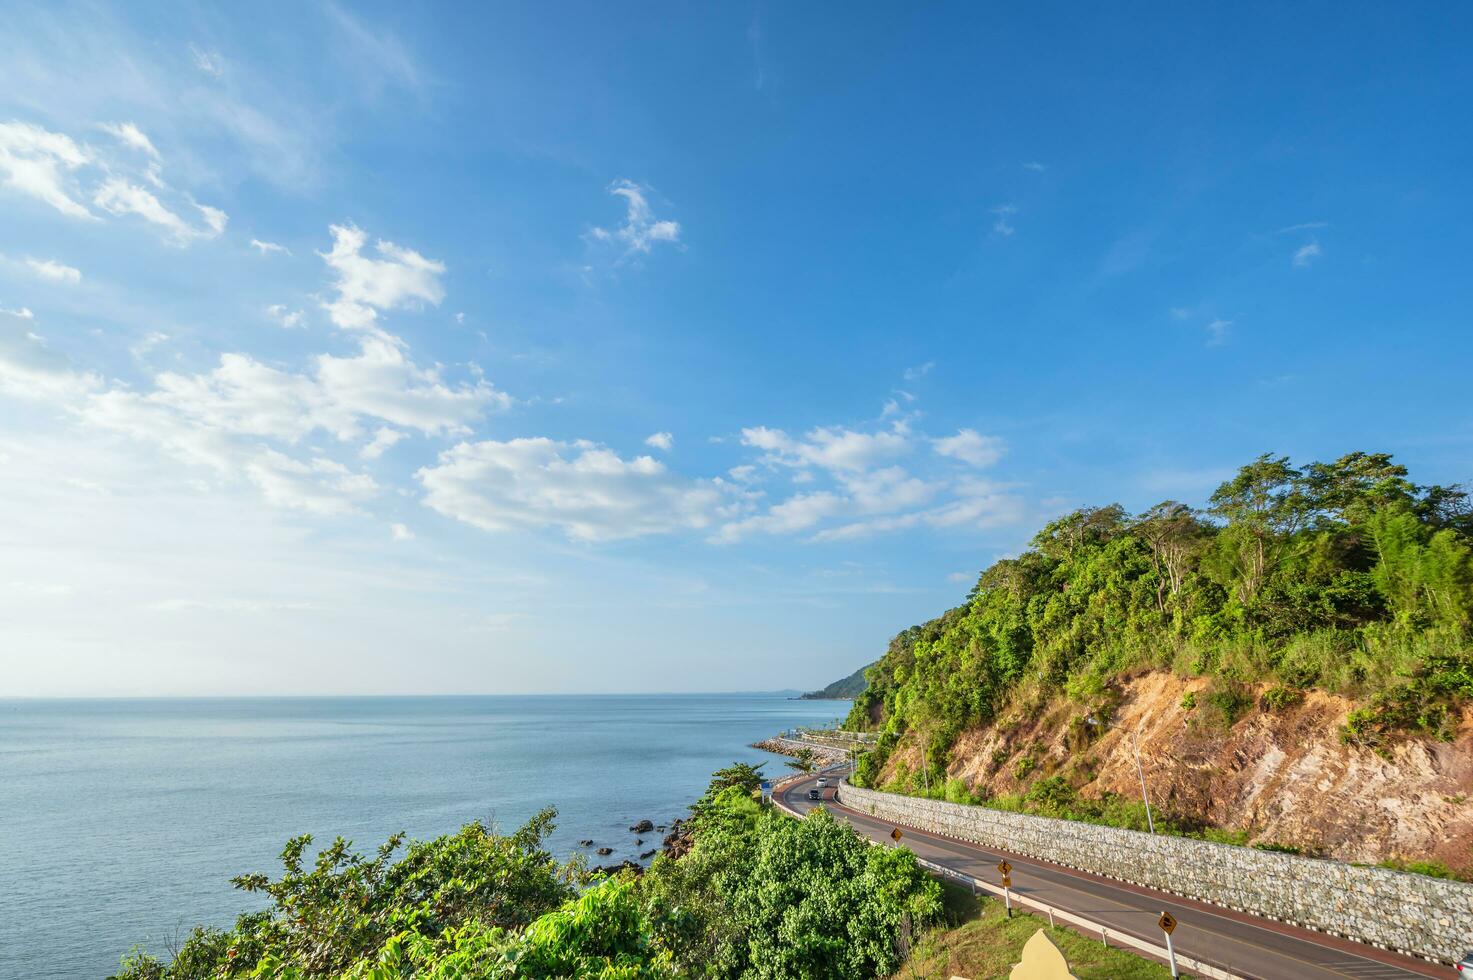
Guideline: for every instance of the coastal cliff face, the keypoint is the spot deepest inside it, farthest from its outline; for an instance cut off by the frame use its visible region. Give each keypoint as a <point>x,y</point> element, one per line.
<point>1281,777</point>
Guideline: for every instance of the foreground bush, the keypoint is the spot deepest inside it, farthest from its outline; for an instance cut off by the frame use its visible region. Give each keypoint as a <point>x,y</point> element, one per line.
<point>759,897</point>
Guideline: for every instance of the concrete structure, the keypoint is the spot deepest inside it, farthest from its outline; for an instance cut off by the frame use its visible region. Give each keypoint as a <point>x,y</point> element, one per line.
<point>1409,913</point>
<point>1041,960</point>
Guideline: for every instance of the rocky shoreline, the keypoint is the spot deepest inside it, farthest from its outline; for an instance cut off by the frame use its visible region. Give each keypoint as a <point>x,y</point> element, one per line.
<point>824,755</point>
<point>677,839</point>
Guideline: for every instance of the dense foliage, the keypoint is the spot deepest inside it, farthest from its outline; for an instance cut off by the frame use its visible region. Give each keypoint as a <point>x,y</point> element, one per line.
<point>764,896</point>
<point>1344,576</point>
<point>759,895</point>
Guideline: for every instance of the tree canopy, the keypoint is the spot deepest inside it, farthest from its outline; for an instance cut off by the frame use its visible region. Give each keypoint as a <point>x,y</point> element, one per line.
<point>1345,576</point>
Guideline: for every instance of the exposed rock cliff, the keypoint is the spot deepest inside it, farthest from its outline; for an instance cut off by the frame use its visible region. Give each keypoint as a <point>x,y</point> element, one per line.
<point>1282,777</point>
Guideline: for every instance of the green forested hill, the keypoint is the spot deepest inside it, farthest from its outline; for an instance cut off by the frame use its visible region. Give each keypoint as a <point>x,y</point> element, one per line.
<point>848,687</point>
<point>1344,576</point>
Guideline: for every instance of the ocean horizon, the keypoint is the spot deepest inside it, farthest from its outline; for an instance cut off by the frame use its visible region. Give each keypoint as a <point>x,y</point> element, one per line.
<point>125,818</point>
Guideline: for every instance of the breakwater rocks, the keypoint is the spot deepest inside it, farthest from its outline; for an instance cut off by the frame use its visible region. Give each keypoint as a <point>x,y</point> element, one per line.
<point>824,755</point>
<point>1410,913</point>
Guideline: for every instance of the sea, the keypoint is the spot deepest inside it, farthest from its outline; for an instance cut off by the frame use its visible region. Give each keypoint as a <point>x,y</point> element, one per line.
<point>122,821</point>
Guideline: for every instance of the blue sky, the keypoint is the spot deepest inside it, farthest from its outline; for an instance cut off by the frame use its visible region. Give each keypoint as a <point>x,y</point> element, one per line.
<point>380,348</point>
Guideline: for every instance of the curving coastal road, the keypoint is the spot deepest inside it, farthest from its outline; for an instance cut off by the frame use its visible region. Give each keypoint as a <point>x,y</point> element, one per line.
<point>1249,947</point>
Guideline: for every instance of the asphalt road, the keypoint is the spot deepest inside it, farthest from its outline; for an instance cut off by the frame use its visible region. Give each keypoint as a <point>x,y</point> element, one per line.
<point>1249,947</point>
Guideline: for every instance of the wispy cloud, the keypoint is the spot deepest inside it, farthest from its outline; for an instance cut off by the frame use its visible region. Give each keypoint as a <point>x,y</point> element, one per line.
<point>130,135</point>
<point>1001,225</point>
<point>290,319</point>
<point>641,230</point>
<point>365,286</point>
<point>39,163</point>
<point>1217,332</point>
<point>970,447</point>
<point>54,271</point>
<point>266,248</point>
<point>1306,254</point>
<point>1303,226</point>
<point>661,440</point>
<point>1035,166</point>
<point>208,62</point>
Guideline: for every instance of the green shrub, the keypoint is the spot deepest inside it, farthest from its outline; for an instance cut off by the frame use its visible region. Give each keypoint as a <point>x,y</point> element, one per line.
<point>1280,699</point>
<point>1229,699</point>
<point>1432,869</point>
<point>1189,700</point>
<point>1023,767</point>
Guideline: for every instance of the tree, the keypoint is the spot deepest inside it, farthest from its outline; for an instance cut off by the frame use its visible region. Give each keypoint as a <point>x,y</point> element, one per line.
<point>1263,505</point>
<point>341,907</point>
<point>1175,536</point>
<point>803,760</point>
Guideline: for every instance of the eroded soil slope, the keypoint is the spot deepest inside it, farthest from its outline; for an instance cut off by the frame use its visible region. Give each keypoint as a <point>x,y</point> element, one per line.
<point>1283,777</point>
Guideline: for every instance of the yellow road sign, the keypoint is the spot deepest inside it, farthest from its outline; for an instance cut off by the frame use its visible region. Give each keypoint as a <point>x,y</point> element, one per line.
<point>1167,922</point>
<point>1007,881</point>
<point>1004,867</point>
<point>895,835</point>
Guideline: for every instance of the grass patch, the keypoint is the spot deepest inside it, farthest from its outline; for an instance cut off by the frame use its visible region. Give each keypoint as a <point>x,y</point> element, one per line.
<point>980,942</point>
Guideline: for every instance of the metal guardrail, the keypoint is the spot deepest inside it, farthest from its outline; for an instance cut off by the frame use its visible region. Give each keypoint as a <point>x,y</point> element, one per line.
<point>1085,925</point>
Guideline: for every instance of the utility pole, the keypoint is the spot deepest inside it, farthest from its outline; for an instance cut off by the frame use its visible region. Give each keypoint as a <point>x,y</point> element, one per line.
<point>1145,797</point>
<point>1135,741</point>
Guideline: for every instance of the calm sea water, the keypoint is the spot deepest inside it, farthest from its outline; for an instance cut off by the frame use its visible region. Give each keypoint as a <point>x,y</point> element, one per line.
<point>122,822</point>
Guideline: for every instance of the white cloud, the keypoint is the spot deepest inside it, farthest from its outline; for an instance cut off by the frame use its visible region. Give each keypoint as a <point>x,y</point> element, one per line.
<point>1035,166</point>
<point>36,161</point>
<point>47,165</point>
<point>54,271</point>
<point>970,447</point>
<point>887,489</point>
<point>290,319</point>
<point>266,248</point>
<point>918,371</point>
<point>148,342</point>
<point>366,286</point>
<point>131,135</point>
<point>383,440</point>
<point>661,440</point>
<point>320,486</point>
<point>831,448</point>
<point>21,313</point>
<point>1001,214</point>
<point>219,418</point>
<point>797,513</point>
<point>977,505</point>
<point>400,532</point>
<point>119,197</point>
<point>1217,332</point>
<point>30,370</point>
<point>382,383</point>
<point>641,229</point>
<point>585,490</point>
<point>1303,226</point>
<point>244,397</point>
<point>1307,254</point>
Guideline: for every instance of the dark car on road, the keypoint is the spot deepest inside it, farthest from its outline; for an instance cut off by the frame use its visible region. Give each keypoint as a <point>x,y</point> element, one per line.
<point>814,794</point>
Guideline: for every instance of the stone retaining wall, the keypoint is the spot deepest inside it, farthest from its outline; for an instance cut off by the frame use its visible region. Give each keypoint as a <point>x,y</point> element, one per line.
<point>1412,914</point>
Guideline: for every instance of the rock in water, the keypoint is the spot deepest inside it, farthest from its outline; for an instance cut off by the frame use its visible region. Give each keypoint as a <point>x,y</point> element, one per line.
<point>585,843</point>
<point>604,851</point>
<point>643,827</point>
<point>649,854</point>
